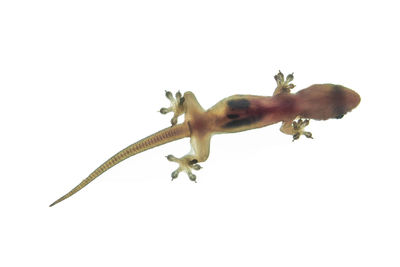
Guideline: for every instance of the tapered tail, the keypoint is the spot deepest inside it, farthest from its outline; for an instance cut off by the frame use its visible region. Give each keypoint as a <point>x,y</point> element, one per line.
<point>162,137</point>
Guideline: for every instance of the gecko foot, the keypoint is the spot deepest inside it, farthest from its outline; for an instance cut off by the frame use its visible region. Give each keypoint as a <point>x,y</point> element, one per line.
<point>176,106</point>
<point>186,164</point>
<point>283,85</point>
<point>298,127</point>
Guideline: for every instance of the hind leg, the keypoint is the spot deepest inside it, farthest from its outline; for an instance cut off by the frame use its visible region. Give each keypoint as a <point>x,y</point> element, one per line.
<point>200,152</point>
<point>199,136</point>
<point>176,106</point>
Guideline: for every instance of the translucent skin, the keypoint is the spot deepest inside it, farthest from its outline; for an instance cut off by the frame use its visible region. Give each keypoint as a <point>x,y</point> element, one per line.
<point>245,112</point>
<point>234,114</point>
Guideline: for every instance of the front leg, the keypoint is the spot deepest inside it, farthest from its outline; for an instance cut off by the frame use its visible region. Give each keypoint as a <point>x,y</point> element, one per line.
<point>291,127</point>
<point>283,86</point>
<point>296,128</point>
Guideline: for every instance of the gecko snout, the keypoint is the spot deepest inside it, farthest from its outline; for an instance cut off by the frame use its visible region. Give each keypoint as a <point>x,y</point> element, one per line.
<point>325,101</point>
<point>347,100</point>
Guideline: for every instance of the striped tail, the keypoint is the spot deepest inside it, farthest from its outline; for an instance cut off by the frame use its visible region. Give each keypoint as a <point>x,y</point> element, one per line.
<point>162,137</point>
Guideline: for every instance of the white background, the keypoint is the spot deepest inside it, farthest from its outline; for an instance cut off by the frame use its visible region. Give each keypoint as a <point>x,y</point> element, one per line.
<point>81,80</point>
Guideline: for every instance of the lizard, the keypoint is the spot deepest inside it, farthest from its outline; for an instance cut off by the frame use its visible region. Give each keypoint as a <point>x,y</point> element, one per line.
<point>235,114</point>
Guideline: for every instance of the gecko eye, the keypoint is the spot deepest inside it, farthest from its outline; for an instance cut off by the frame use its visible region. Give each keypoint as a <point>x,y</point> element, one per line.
<point>339,116</point>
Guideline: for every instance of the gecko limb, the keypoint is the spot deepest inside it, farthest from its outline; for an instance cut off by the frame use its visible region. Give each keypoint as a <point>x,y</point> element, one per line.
<point>200,136</point>
<point>200,152</point>
<point>299,126</point>
<point>283,85</point>
<point>296,128</point>
<point>176,106</point>
<point>185,165</point>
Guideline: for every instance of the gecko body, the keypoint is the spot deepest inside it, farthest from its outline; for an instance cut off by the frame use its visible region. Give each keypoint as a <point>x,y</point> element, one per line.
<point>235,114</point>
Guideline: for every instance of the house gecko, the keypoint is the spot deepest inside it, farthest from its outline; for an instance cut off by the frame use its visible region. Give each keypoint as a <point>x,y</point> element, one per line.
<point>235,114</point>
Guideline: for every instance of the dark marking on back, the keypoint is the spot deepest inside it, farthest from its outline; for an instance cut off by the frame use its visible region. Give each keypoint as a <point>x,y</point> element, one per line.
<point>241,103</point>
<point>241,122</point>
<point>232,116</point>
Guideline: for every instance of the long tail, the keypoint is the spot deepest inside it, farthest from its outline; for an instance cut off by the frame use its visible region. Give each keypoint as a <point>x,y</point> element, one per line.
<point>162,137</point>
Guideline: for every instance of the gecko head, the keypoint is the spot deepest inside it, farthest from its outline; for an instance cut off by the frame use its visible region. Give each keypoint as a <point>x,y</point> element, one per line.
<point>326,101</point>
<point>343,100</point>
